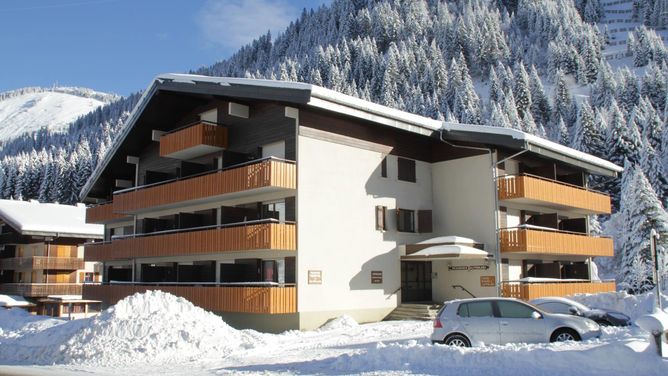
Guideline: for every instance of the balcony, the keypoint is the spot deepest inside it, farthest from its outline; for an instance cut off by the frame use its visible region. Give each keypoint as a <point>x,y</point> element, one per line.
<point>40,289</point>
<point>216,298</point>
<point>193,141</point>
<point>41,263</point>
<point>535,190</point>
<point>103,213</point>
<point>265,175</point>
<point>528,291</point>
<point>245,236</point>
<point>538,241</point>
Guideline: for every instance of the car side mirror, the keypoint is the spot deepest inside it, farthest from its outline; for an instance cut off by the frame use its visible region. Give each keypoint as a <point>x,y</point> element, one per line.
<point>536,315</point>
<point>574,311</point>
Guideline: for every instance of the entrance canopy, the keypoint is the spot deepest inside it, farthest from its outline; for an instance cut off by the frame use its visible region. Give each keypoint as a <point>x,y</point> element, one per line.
<point>438,252</point>
<point>445,248</point>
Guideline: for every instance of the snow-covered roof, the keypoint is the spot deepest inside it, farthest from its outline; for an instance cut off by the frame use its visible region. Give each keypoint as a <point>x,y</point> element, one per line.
<point>535,144</point>
<point>448,240</point>
<point>447,251</point>
<point>40,219</point>
<point>14,301</point>
<point>326,99</point>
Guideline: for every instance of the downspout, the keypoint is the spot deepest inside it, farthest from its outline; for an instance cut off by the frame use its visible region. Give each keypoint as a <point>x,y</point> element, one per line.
<point>493,165</point>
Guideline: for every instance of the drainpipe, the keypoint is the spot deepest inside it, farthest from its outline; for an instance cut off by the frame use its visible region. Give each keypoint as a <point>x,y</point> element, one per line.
<point>494,164</point>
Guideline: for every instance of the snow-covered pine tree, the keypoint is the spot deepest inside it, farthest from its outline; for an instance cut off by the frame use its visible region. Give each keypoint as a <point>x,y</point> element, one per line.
<point>641,212</point>
<point>521,90</point>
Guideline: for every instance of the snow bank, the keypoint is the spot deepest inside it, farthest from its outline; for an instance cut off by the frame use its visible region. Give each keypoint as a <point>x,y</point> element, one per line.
<point>341,322</point>
<point>632,305</point>
<point>153,327</point>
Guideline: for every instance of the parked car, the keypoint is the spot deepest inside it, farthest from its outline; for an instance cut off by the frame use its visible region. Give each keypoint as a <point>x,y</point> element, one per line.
<point>570,307</point>
<point>503,320</point>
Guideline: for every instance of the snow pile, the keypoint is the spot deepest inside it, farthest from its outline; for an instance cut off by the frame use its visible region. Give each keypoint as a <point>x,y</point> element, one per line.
<point>17,322</point>
<point>341,322</point>
<point>632,305</point>
<point>153,327</point>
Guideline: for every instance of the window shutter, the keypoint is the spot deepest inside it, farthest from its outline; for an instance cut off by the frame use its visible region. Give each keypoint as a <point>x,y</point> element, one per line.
<point>424,221</point>
<point>380,218</point>
<point>383,168</point>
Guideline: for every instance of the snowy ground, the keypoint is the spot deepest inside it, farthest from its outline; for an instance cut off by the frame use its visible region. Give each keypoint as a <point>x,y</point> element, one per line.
<point>157,333</point>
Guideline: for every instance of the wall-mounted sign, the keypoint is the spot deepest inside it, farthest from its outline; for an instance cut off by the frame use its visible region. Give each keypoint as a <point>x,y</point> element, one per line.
<point>487,281</point>
<point>315,277</point>
<point>376,276</point>
<point>468,267</point>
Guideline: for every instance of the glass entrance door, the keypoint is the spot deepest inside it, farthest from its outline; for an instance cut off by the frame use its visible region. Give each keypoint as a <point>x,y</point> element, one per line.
<point>415,281</point>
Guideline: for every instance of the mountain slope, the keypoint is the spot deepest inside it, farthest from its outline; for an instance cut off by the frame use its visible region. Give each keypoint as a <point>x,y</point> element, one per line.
<point>30,109</point>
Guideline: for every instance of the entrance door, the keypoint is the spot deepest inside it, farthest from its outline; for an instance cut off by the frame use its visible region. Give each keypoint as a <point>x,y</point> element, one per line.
<point>415,281</point>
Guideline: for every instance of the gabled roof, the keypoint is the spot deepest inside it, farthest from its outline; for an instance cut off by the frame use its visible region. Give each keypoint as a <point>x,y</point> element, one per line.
<point>297,93</point>
<point>55,220</point>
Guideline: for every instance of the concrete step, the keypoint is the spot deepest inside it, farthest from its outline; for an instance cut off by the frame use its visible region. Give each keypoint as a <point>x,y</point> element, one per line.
<point>413,311</point>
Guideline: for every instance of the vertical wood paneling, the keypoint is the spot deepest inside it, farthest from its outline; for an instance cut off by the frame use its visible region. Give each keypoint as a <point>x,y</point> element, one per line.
<point>555,243</point>
<point>537,290</point>
<point>103,213</point>
<point>258,175</point>
<point>274,236</point>
<point>42,262</point>
<point>547,191</point>
<point>40,289</point>
<point>271,300</point>
<point>198,134</point>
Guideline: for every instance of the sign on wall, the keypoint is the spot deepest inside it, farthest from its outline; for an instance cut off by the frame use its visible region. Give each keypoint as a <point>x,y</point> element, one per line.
<point>487,281</point>
<point>468,267</point>
<point>315,277</point>
<point>376,276</point>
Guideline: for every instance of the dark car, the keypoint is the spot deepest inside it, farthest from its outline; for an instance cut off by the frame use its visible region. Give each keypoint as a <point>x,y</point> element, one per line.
<point>567,306</point>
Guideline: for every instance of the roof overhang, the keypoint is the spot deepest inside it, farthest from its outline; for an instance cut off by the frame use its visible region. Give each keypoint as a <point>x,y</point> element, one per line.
<point>518,140</point>
<point>302,94</point>
<point>447,252</point>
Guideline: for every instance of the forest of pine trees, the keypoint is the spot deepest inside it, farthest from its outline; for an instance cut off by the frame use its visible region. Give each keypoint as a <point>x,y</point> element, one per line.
<point>533,65</point>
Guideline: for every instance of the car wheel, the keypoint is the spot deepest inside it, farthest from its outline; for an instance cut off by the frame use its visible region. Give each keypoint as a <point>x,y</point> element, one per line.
<point>562,335</point>
<point>457,340</point>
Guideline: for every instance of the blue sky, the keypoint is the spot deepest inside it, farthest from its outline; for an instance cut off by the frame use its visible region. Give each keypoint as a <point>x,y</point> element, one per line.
<point>120,45</point>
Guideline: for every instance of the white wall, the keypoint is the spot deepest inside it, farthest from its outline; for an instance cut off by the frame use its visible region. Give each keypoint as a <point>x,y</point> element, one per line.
<point>444,279</point>
<point>464,202</point>
<point>339,187</point>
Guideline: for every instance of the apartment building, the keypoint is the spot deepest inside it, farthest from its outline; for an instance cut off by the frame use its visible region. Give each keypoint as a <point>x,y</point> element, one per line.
<point>282,205</point>
<point>41,254</point>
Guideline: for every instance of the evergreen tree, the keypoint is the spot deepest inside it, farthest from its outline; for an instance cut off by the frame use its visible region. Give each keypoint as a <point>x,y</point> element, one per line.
<point>540,105</point>
<point>521,90</point>
<point>641,211</point>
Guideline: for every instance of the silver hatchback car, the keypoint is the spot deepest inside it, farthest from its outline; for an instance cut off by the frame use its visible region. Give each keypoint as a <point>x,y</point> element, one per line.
<point>505,320</point>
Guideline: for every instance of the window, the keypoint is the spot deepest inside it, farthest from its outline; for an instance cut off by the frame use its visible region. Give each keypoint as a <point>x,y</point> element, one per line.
<point>406,169</point>
<point>476,309</point>
<point>513,310</point>
<point>555,307</point>
<point>380,218</point>
<point>274,210</point>
<point>405,220</point>
<point>383,168</point>
<point>424,221</point>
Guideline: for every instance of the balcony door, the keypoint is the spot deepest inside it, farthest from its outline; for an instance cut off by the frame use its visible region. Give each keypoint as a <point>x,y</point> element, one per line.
<point>415,281</point>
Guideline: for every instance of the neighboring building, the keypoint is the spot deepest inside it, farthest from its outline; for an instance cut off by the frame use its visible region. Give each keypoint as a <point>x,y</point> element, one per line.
<point>282,205</point>
<point>41,252</point>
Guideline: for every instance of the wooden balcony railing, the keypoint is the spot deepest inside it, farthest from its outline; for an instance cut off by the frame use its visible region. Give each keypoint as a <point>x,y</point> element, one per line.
<point>244,299</point>
<point>237,237</point>
<point>554,243</point>
<point>98,251</point>
<point>42,262</point>
<point>269,172</point>
<point>528,291</point>
<point>193,141</point>
<point>103,213</point>
<point>40,289</point>
<point>534,189</point>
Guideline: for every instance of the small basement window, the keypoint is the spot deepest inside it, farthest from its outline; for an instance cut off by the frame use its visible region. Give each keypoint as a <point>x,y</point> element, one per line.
<point>405,220</point>
<point>406,170</point>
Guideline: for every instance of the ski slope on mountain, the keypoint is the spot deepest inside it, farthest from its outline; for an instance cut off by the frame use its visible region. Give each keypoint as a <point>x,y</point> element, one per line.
<point>28,110</point>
